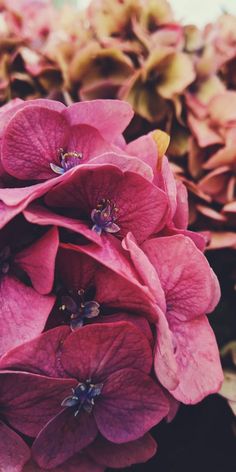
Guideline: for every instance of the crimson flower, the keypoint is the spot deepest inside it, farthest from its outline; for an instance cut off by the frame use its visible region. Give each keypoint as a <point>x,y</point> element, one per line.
<point>93,380</point>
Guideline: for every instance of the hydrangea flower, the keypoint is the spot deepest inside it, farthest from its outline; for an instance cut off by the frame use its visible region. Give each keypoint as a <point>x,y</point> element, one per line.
<point>185,287</point>
<point>95,379</point>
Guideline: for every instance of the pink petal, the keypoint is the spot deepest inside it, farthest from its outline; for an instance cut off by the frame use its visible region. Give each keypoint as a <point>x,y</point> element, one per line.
<point>145,148</point>
<point>23,313</point>
<point>109,117</point>
<point>62,437</point>
<point>165,364</point>
<point>28,151</point>
<point>146,271</point>
<point>139,321</point>
<point>98,350</point>
<point>211,213</point>
<point>30,260</point>
<point>14,452</point>
<point>38,399</point>
<point>124,284</point>
<point>88,140</point>
<point>8,111</point>
<point>43,216</point>
<point>90,184</point>
<point>126,163</point>
<point>80,462</point>
<point>14,200</point>
<point>181,215</point>
<point>202,131</point>
<point>122,455</point>
<point>130,405</point>
<point>185,275</point>
<point>39,356</point>
<point>222,108</point>
<point>197,355</point>
<point>166,181</point>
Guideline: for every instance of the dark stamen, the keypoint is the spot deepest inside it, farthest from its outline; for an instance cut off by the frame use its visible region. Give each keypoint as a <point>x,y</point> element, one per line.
<point>78,309</point>
<point>68,160</point>
<point>83,396</point>
<point>104,217</point>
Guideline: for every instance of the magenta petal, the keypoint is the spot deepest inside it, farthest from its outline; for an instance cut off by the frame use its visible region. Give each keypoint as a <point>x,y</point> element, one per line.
<point>145,148</point>
<point>38,399</point>
<point>62,437</point>
<point>116,281</point>
<point>197,356</point>
<point>23,313</point>
<point>139,321</point>
<point>182,211</point>
<point>27,150</point>
<point>30,260</point>
<point>146,271</point>
<point>14,453</point>
<point>130,405</point>
<point>122,455</point>
<point>185,275</point>
<point>88,141</point>
<point>109,117</point>
<point>112,346</point>
<point>42,216</point>
<point>90,184</point>
<point>164,360</point>
<point>78,463</point>
<point>14,200</point>
<point>39,356</point>
<point>125,162</point>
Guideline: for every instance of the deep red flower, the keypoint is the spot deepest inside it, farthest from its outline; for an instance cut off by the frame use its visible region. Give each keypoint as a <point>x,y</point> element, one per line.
<point>95,379</point>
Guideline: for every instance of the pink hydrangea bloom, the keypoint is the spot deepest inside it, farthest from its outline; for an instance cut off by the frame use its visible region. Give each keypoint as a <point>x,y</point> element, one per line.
<point>95,379</point>
<point>184,288</point>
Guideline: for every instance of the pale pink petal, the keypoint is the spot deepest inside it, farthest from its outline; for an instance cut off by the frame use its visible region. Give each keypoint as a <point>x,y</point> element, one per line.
<point>185,275</point>
<point>197,355</point>
<point>109,117</point>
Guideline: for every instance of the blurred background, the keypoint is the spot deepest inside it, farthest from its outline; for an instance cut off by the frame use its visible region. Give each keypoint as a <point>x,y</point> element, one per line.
<point>188,11</point>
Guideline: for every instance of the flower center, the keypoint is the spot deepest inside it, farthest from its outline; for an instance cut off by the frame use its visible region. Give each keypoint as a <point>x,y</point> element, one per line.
<point>104,217</point>
<point>68,160</point>
<point>5,255</point>
<point>83,396</point>
<point>78,309</point>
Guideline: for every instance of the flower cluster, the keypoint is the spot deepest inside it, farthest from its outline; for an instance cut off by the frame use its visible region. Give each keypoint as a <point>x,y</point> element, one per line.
<point>104,290</point>
<point>178,78</point>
